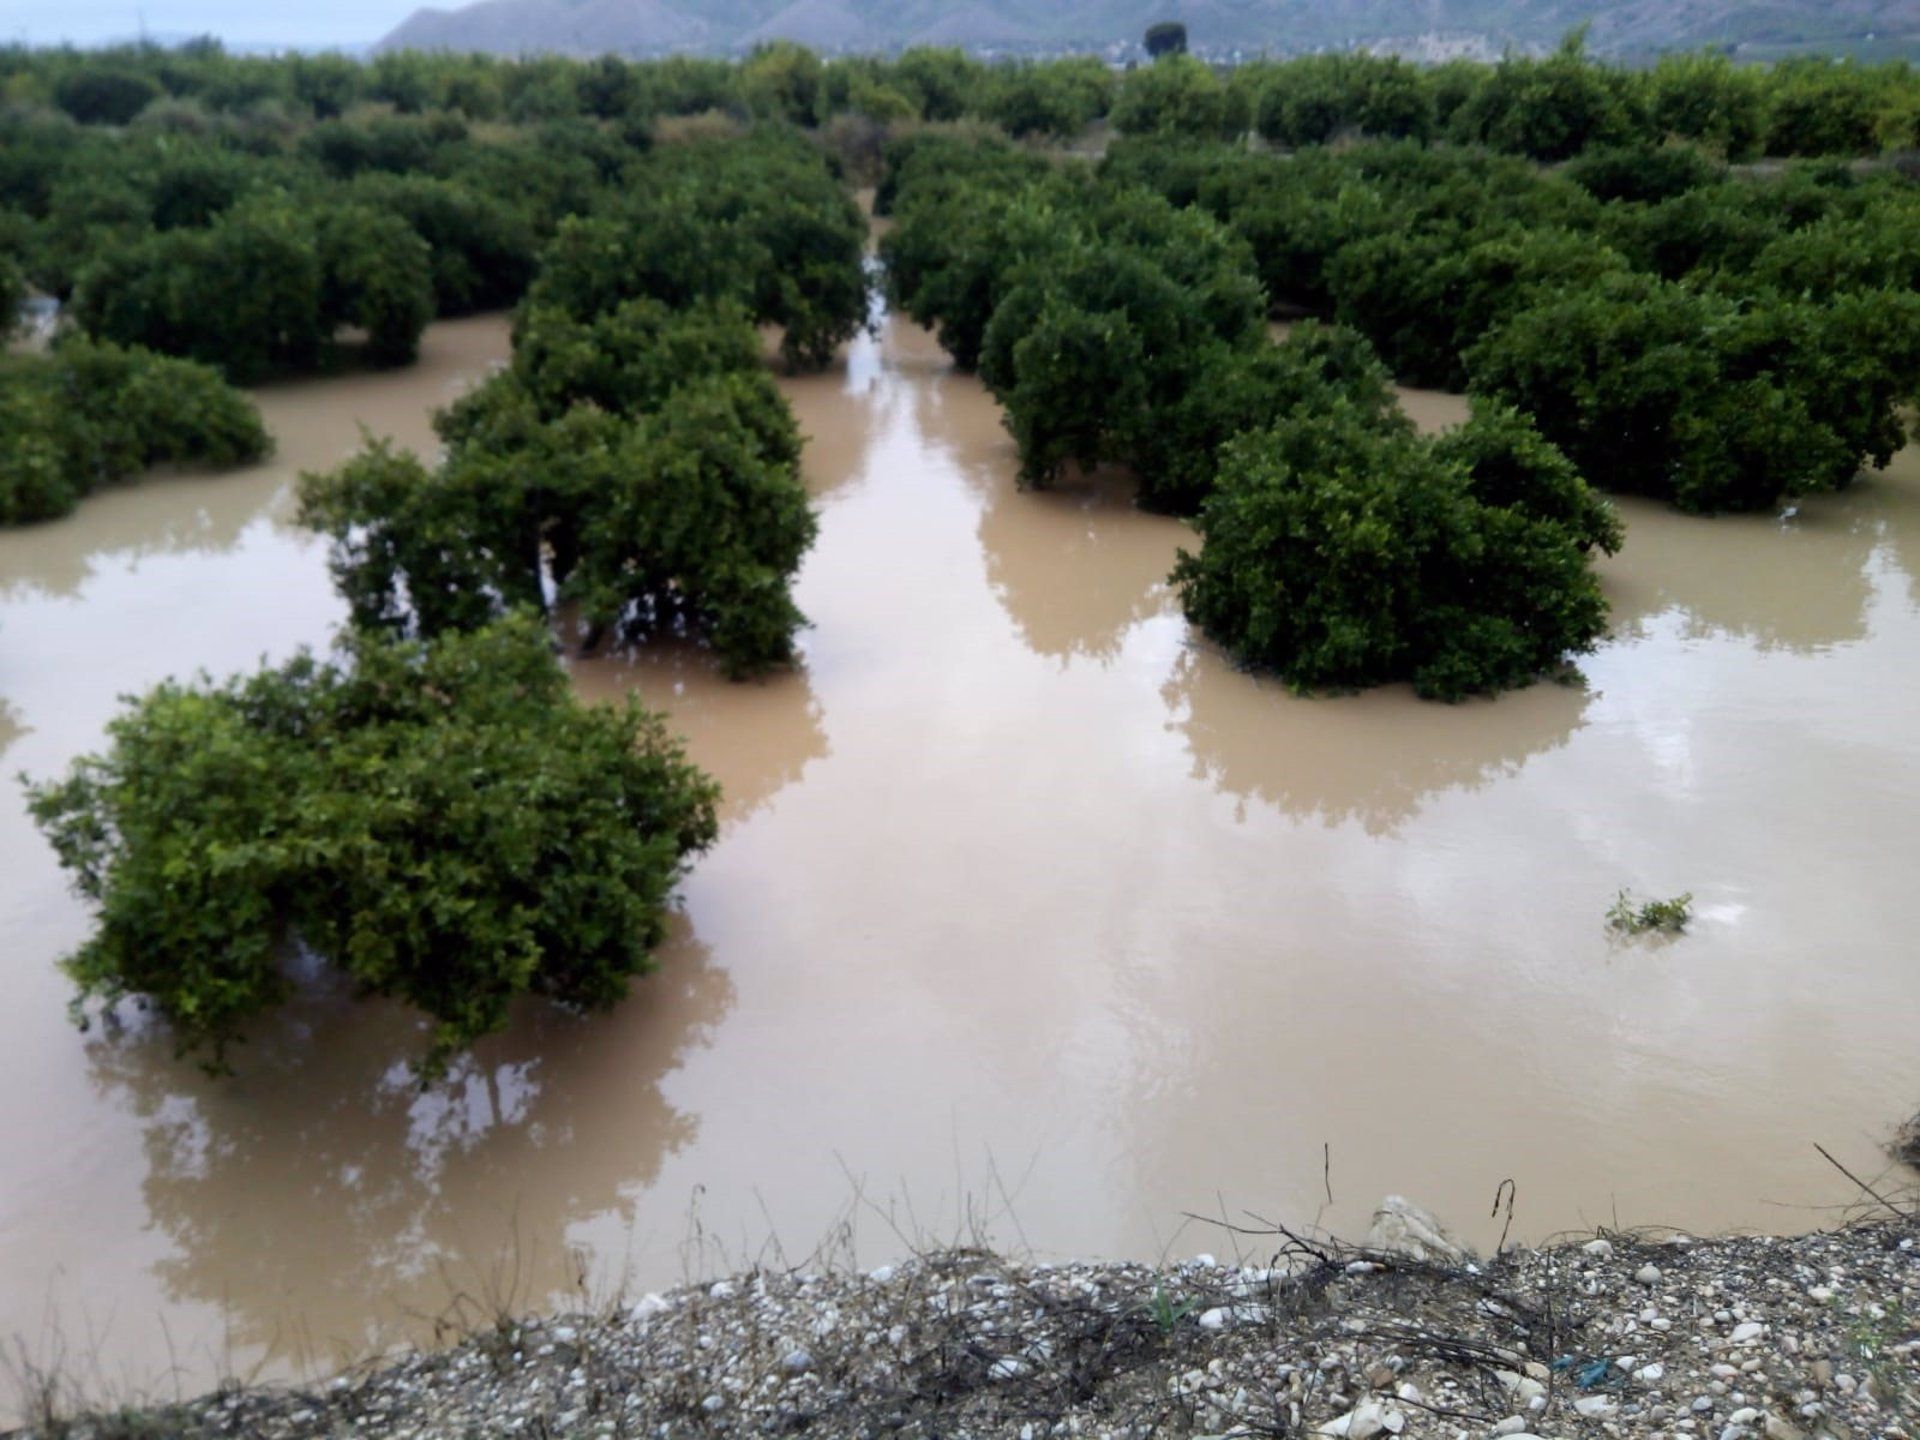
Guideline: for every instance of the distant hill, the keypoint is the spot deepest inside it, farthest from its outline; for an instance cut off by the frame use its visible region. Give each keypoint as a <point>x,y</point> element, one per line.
<point>652,27</point>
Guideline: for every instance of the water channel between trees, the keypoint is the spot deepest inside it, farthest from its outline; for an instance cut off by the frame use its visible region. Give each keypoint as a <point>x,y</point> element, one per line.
<point>1030,915</point>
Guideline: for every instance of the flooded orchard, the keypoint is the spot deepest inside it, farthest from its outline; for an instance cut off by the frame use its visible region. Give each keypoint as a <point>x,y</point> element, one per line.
<point>1030,916</point>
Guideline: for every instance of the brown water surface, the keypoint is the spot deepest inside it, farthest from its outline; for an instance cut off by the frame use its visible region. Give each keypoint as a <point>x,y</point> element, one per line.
<point>1029,915</point>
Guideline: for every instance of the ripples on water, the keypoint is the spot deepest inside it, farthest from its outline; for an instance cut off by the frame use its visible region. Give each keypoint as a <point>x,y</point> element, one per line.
<point>1027,907</point>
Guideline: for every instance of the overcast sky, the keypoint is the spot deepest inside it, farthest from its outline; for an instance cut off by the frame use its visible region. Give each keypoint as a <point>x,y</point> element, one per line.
<point>239,22</point>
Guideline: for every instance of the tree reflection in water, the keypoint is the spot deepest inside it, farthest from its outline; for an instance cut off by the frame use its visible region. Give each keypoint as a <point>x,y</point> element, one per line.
<point>754,737</point>
<point>1076,566</point>
<point>330,1205</point>
<point>1374,758</point>
<point>1797,583</point>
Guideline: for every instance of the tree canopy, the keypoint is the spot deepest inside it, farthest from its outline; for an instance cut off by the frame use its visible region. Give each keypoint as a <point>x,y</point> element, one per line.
<point>1339,553</point>
<point>640,467</point>
<point>444,823</point>
<point>759,220</point>
<point>89,414</point>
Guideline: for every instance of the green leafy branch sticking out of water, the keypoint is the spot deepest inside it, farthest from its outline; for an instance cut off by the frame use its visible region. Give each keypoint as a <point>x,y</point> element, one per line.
<point>1661,917</point>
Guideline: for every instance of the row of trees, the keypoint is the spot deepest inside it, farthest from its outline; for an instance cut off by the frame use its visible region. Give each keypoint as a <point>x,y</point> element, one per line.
<point>431,811</point>
<point>1339,548</point>
<point>635,464</point>
<point>265,288</point>
<point>1680,331</point>
<point>89,414</point>
<point>676,509</point>
<point>1547,107</point>
<point>262,263</point>
<point>443,822</point>
<point>257,257</point>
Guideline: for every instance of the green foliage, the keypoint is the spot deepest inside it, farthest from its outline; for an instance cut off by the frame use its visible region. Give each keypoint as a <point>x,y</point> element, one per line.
<point>1057,98</point>
<point>1340,553</point>
<point>264,289</point>
<point>397,144</point>
<point>1822,107</point>
<point>1233,389</point>
<point>1879,250</point>
<point>1550,109</point>
<point>444,823</point>
<point>405,112</point>
<point>1653,388</point>
<point>1176,95</point>
<point>1661,917</point>
<point>1511,466</point>
<point>482,249</point>
<point>1711,229</point>
<point>13,296</point>
<point>1313,100</point>
<point>639,466</point>
<point>88,212</point>
<point>1642,172</point>
<point>243,294</point>
<point>1423,298</point>
<point>653,248</point>
<point>1709,100</point>
<point>104,94</point>
<point>375,273</point>
<point>942,82</point>
<point>689,521</point>
<point>783,81</point>
<point>1097,333</point>
<point>952,253</point>
<point>196,186</point>
<point>626,360</point>
<point>90,414</point>
<point>757,220</point>
<point>1167,1312</point>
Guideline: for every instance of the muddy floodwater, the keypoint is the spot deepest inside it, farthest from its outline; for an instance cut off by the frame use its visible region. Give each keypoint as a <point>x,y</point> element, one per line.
<point>1031,918</point>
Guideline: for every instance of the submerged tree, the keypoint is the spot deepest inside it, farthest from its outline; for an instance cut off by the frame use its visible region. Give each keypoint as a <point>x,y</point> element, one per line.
<point>635,465</point>
<point>443,822</point>
<point>1234,389</point>
<point>1658,389</point>
<point>1340,554</point>
<point>265,289</point>
<point>89,414</point>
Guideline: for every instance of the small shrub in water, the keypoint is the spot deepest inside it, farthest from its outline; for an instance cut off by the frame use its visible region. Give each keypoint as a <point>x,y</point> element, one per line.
<point>1665,917</point>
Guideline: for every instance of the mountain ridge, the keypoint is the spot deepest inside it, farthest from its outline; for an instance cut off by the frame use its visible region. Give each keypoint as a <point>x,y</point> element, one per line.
<point>654,27</point>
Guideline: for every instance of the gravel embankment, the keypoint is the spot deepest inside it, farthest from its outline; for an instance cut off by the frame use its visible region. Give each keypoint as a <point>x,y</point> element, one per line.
<point>1729,1339</point>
